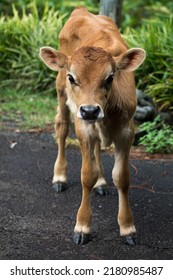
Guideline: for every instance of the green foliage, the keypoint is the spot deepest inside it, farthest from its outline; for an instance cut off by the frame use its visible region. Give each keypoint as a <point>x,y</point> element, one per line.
<point>134,11</point>
<point>63,6</point>
<point>20,41</point>
<point>66,6</point>
<point>155,76</point>
<point>159,137</point>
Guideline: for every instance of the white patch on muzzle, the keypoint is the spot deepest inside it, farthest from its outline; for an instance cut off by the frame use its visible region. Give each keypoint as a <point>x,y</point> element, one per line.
<point>72,106</point>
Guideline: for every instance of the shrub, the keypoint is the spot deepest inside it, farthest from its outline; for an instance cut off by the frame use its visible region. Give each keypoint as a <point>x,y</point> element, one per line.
<point>63,6</point>
<point>134,11</point>
<point>158,138</point>
<point>156,74</point>
<point>20,41</point>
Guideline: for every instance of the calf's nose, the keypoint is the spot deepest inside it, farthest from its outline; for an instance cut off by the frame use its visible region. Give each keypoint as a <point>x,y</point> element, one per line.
<point>89,112</point>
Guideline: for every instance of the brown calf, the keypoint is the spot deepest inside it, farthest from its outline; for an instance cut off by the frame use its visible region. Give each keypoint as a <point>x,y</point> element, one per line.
<point>96,82</point>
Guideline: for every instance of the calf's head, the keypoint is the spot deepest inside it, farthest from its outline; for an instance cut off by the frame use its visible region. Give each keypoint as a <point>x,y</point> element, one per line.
<point>91,72</point>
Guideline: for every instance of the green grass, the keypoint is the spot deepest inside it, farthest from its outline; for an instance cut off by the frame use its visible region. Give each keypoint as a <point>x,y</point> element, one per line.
<point>26,111</point>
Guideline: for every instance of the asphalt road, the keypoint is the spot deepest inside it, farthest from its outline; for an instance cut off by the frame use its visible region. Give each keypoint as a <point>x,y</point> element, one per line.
<point>37,223</point>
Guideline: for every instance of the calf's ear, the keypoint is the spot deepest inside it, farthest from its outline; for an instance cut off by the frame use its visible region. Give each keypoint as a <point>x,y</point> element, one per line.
<point>131,59</point>
<point>55,60</point>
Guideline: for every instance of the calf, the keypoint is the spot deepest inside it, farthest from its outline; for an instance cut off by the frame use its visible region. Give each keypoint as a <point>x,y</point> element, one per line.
<point>96,83</point>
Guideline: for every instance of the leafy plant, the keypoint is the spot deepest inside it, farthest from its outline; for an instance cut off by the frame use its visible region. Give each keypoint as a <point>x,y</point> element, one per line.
<point>158,138</point>
<point>20,41</point>
<point>68,5</point>
<point>155,76</point>
<point>63,6</point>
<point>134,11</point>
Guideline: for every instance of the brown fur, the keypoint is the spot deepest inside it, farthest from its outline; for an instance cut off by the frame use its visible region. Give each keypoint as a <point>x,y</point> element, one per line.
<point>92,51</point>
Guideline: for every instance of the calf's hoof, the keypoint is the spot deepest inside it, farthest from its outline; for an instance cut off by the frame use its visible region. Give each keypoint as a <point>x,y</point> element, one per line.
<point>130,240</point>
<point>80,238</point>
<point>59,186</point>
<point>101,190</point>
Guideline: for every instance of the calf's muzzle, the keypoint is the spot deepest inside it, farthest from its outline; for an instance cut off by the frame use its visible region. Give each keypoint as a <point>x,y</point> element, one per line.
<point>90,112</point>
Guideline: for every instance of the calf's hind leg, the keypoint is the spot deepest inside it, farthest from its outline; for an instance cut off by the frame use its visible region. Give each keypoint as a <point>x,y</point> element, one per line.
<point>121,178</point>
<point>62,121</point>
<point>100,186</point>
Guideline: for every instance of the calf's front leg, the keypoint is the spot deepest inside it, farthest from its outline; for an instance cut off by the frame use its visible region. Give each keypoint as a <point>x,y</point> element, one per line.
<point>62,121</point>
<point>89,176</point>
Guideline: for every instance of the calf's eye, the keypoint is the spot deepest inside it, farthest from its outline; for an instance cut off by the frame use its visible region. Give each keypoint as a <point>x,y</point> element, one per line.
<point>108,81</point>
<point>71,79</point>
